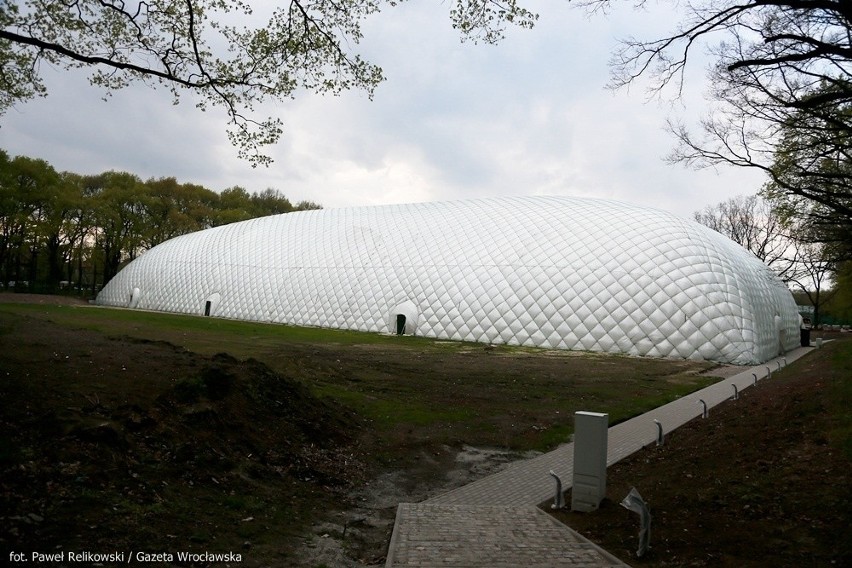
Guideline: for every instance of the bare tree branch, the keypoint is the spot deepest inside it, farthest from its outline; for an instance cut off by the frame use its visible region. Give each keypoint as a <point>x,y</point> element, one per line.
<point>781,91</point>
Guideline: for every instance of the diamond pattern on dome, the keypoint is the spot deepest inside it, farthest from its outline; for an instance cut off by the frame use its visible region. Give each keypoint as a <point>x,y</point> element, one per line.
<point>543,271</point>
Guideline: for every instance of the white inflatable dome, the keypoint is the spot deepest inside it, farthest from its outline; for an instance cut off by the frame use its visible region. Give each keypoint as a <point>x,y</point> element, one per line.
<point>553,272</point>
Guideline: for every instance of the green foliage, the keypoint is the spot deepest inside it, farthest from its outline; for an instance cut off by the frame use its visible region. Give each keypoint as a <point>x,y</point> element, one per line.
<point>63,230</point>
<point>219,50</point>
<point>19,80</point>
<point>486,20</point>
<point>207,335</point>
<point>843,298</point>
<point>837,310</point>
<point>811,174</point>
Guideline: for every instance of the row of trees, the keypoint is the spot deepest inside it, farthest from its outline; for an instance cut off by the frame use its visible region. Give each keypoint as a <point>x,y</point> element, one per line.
<point>62,229</point>
<point>780,102</point>
<point>781,97</point>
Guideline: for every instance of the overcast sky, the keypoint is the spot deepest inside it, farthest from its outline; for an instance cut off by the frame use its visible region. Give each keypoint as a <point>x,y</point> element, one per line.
<point>530,116</point>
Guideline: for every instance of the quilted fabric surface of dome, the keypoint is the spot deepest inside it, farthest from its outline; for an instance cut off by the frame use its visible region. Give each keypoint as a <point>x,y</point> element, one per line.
<point>553,272</point>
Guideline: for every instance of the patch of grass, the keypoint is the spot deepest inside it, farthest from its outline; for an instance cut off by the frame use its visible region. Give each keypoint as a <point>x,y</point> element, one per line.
<point>554,436</point>
<point>197,333</point>
<point>389,412</point>
<point>519,403</point>
<point>416,390</point>
<point>626,408</point>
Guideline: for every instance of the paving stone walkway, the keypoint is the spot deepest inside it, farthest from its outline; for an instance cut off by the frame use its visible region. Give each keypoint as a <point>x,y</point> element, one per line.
<point>495,521</point>
<point>427,534</point>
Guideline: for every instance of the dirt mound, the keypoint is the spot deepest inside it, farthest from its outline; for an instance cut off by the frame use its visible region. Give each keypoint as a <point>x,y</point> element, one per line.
<point>135,441</point>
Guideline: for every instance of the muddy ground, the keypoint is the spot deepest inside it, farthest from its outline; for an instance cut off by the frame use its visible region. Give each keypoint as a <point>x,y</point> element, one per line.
<point>763,481</point>
<point>115,443</point>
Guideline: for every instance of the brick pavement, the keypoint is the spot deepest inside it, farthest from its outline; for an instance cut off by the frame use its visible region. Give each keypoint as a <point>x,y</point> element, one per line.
<point>426,534</point>
<point>495,521</point>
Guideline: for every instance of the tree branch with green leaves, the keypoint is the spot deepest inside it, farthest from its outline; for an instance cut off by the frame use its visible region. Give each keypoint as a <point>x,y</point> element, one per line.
<point>220,51</point>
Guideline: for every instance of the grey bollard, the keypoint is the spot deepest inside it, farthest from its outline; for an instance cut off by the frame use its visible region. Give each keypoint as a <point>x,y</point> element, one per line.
<point>779,363</point>
<point>819,342</point>
<point>755,378</point>
<point>660,438</point>
<point>736,392</point>
<point>590,446</point>
<point>559,498</point>
<point>703,404</point>
<point>768,373</point>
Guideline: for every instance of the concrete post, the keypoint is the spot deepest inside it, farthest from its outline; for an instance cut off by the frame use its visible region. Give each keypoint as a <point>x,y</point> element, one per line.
<point>590,442</point>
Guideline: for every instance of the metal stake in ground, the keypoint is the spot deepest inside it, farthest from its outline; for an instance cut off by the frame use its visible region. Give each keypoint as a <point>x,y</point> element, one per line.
<point>559,498</point>
<point>634,502</point>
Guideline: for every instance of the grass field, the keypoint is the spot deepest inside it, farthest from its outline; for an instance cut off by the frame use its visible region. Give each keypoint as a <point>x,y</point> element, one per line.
<point>419,389</point>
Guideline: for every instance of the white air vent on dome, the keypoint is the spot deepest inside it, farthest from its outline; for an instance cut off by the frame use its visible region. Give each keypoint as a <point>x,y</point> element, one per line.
<point>402,319</point>
<point>211,303</point>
